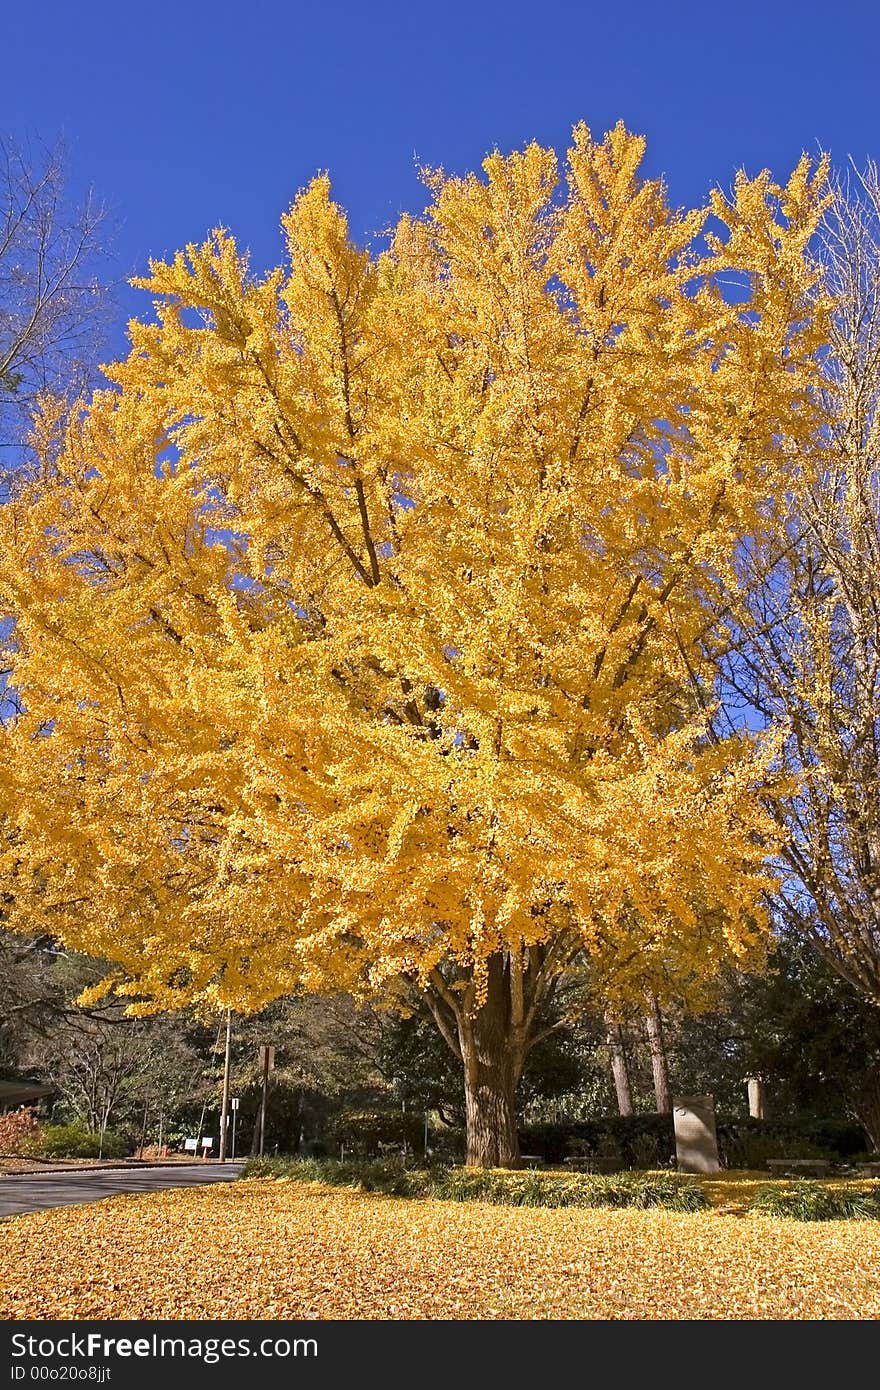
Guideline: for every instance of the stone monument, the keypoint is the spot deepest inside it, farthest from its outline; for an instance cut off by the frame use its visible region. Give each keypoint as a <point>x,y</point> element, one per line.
<point>696,1143</point>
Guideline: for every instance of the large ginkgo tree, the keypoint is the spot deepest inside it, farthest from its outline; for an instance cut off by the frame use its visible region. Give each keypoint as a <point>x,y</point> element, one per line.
<point>356,629</point>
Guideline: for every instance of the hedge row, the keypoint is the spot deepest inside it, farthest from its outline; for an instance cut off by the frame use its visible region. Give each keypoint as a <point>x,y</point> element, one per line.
<point>648,1141</point>
<point>524,1189</point>
<point>22,1134</point>
<point>636,1141</point>
<point>800,1199</point>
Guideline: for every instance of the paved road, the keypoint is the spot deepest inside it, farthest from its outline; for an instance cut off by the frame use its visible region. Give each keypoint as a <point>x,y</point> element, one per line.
<point>22,1192</point>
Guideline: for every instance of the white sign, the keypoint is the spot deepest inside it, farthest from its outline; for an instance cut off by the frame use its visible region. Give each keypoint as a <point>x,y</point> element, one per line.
<point>191,1144</point>
<point>267,1058</point>
<point>207,1143</point>
<point>234,1102</point>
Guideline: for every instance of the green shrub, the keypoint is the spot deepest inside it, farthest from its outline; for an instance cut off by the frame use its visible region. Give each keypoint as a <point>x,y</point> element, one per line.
<point>75,1141</point>
<point>446,1144</point>
<point>640,1141</point>
<point>748,1143</point>
<point>648,1141</point>
<point>804,1200</point>
<point>366,1133</point>
<point>536,1189</point>
<point>522,1188</point>
<point>314,1148</point>
<point>326,1170</point>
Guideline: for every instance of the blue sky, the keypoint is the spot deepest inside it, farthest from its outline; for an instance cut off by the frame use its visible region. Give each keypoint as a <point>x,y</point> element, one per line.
<point>187,115</point>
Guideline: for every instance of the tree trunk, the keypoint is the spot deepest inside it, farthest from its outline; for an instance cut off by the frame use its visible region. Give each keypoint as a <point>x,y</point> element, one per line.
<point>659,1063</point>
<point>491,1074</point>
<point>866,1108</point>
<point>144,1129</point>
<point>614,1036</point>
<point>492,1042</point>
<point>296,1122</point>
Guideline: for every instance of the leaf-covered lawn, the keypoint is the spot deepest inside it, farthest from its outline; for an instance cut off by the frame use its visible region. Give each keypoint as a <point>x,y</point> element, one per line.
<point>288,1250</point>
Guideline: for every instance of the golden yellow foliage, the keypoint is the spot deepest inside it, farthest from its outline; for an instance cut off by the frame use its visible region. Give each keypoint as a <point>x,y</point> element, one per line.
<point>358,628</point>
<point>282,1250</point>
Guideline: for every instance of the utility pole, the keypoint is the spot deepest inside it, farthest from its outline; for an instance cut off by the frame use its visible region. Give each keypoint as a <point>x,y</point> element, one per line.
<point>205,1103</point>
<point>224,1111</point>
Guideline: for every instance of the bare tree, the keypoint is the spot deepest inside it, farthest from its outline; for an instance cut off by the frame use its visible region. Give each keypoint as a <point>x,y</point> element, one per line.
<point>52,301</point>
<point>803,631</point>
<point>619,1069</point>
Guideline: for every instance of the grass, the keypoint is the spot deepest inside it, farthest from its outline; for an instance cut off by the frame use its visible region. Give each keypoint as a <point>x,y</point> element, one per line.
<point>499,1187</point>
<point>799,1199</point>
<point>806,1200</point>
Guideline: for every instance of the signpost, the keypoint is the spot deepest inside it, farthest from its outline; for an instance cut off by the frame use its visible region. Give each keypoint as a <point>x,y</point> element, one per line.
<point>267,1062</point>
<point>191,1145</point>
<point>224,1109</point>
<point>207,1144</point>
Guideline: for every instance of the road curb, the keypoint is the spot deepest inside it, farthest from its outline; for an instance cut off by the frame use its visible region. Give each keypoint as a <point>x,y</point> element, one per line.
<point>121,1168</point>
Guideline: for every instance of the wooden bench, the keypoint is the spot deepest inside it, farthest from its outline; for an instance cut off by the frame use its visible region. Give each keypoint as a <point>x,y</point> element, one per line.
<point>796,1167</point>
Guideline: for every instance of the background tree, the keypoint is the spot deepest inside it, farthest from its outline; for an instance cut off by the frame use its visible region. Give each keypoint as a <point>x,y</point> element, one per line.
<point>52,301</point>
<point>419,1064</point>
<point>108,1070</point>
<point>802,627</point>
<point>359,629</point>
<point>53,309</point>
<point>327,1054</point>
<point>809,1033</point>
<point>30,1000</point>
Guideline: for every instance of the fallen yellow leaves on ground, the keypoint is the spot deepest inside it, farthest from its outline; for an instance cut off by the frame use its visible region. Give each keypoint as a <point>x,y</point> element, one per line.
<point>290,1250</point>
